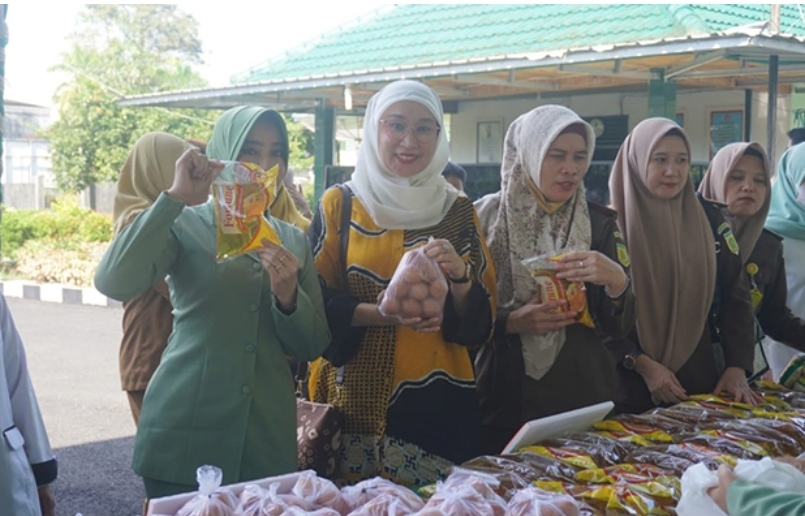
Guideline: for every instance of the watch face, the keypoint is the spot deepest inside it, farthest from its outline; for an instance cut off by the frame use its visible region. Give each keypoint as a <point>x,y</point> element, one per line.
<point>598,126</point>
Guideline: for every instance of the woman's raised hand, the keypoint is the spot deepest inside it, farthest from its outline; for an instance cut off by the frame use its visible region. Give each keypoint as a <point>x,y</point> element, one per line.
<point>446,256</point>
<point>194,175</point>
<point>282,267</point>
<point>592,267</point>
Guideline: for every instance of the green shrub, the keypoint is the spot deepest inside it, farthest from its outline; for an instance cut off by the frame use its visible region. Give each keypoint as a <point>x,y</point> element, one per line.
<point>65,225</point>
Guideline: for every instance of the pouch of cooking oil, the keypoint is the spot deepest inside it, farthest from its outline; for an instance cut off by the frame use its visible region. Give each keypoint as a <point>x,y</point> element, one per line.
<point>241,195</point>
<point>550,288</point>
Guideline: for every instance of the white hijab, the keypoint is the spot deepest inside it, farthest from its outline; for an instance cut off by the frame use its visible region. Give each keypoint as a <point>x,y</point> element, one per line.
<point>396,202</point>
<point>516,227</point>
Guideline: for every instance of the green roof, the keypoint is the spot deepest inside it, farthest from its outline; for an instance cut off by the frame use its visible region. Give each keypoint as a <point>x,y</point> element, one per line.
<point>411,35</point>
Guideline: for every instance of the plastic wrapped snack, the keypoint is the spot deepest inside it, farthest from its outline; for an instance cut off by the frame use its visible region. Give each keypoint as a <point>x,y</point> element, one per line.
<point>417,289</point>
<point>536,502</point>
<point>211,500</point>
<point>550,288</point>
<point>604,450</point>
<point>468,492</point>
<point>241,195</point>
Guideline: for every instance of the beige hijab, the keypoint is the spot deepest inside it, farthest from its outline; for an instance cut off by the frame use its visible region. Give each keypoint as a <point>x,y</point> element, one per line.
<point>671,246</point>
<point>517,226</point>
<point>747,229</point>
<point>148,171</point>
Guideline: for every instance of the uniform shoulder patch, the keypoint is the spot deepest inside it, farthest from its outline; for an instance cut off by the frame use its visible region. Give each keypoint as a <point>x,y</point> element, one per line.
<point>623,254</point>
<point>726,233</point>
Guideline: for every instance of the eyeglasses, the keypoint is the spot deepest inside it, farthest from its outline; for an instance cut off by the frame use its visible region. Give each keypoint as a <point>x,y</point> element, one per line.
<point>424,132</point>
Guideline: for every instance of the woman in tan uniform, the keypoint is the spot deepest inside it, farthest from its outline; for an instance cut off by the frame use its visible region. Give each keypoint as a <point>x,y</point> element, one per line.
<point>739,177</point>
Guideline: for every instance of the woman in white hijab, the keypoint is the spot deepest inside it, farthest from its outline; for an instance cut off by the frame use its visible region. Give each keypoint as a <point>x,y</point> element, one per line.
<point>406,385</point>
<point>544,360</point>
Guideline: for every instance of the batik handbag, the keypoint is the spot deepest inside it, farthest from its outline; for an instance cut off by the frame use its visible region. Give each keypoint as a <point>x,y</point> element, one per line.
<point>318,431</point>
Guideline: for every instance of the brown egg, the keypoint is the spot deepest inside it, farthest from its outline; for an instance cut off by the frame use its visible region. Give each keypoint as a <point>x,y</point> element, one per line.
<point>401,289</point>
<point>438,290</point>
<point>412,275</point>
<point>411,308</point>
<point>431,308</point>
<point>429,273</point>
<point>390,306</point>
<point>419,291</point>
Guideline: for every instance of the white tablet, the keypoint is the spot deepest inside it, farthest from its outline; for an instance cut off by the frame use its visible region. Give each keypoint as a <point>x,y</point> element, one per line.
<point>575,420</point>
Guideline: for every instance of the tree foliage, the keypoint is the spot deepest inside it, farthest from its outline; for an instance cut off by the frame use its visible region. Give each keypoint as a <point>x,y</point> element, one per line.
<point>122,50</point>
<point>300,145</point>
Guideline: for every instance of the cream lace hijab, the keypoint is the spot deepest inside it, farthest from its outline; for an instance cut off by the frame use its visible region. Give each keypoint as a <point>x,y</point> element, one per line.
<point>397,202</point>
<point>517,227</point>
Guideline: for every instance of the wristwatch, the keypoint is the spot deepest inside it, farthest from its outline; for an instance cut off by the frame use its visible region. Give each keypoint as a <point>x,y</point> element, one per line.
<point>463,279</point>
<point>630,360</point>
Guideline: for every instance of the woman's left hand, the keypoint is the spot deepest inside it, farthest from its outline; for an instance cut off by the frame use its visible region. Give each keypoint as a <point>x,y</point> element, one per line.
<point>592,267</point>
<point>282,267</point>
<point>719,493</point>
<point>446,256</point>
<point>733,382</point>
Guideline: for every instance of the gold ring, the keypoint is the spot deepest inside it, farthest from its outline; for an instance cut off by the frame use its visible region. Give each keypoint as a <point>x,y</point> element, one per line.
<point>278,267</point>
<point>581,264</point>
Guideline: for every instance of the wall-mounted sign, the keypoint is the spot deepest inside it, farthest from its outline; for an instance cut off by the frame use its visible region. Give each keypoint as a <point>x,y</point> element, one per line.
<point>725,127</point>
<point>489,144</point>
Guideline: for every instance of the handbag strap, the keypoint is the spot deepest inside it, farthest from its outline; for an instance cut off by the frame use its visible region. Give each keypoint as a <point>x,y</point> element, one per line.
<point>302,369</point>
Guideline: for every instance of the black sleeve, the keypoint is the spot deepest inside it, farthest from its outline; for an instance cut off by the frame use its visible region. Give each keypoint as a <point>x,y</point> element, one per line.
<point>45,472</point>
<point>614,318</point>
<point>735,321</point>
<point>774,316</point>
<point>474,329</point>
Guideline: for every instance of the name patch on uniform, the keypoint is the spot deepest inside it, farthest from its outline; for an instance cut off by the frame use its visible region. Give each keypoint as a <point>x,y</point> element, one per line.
<point>726,233</point>
<point>623,254</point>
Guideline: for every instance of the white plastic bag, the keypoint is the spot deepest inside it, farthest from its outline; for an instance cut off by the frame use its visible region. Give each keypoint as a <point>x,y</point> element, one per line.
<point>695,501</point>
<point>212,500</point>
<point>766,472</point>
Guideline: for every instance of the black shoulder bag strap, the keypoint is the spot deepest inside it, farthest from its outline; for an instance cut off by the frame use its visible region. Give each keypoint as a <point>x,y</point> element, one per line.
<point>302,372</point>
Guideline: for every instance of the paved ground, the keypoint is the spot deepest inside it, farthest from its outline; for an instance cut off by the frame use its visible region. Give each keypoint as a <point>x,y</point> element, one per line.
<point>72,356</point>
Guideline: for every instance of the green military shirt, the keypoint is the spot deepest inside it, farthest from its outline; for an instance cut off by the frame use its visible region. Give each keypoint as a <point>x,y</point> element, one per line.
<point>223,393</point>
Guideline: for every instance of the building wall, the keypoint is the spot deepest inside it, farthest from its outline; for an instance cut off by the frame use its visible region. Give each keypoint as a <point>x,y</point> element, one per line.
<point>695,107</point>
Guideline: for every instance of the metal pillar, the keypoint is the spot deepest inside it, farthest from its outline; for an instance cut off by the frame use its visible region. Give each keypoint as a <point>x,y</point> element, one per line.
<point>322,146</point>
<point>3,43</point>
<point>747,115</point>
<point>771,111</point>
<point>661,96</point>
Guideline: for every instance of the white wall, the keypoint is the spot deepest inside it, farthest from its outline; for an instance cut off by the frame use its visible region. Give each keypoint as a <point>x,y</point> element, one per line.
<point>696,108</point>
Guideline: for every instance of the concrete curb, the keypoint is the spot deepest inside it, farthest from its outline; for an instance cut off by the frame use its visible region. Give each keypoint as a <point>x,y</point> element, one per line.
<point>56,293</point>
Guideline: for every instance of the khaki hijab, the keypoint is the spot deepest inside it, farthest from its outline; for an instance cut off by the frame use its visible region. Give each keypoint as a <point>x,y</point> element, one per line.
<point>147,172</point>
<point>519,222</point>
<point>747,229</point>
<point>671,246</point>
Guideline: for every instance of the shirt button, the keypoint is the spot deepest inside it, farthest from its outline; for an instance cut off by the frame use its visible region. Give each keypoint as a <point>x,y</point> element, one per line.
<point>249,348</point>
<point>246,389</point>
<point>253,307</point>
<point>257,266</point>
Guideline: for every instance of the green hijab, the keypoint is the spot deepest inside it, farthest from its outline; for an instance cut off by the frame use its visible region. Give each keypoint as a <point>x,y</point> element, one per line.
<point>227,138</point>
<point>787,214</point>
<point>234,125</point>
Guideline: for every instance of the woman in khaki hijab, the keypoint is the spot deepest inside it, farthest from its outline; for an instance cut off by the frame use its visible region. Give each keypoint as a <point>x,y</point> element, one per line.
<point>147,319</point>
<point>695,330</point>
<point>739,177</point>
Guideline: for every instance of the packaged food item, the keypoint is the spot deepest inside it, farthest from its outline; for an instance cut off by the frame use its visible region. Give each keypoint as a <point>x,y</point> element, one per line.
<point>721,442</point>
<point>536,502</point>
<point>417,289</point>
<point>622,474</point>
<point>696,453</point>
<point>212,500</point>
<point>565,455</point>
<point>550,288</point>
<point>657,457</point>
<point>649,433</point>
<point>603,449</point>
<point>656,420</point>
<point>241,195</point>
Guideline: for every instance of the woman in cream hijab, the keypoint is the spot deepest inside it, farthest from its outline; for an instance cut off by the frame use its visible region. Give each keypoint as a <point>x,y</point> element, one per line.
<point>406,386</point>
<point>147,319</point>
<point>543,360</point>
<point>682,251</point>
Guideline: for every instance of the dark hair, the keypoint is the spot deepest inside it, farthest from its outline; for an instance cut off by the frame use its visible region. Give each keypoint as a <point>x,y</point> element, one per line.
<point>754,152</point>
<point>575,128</point>
<point>797,135</point>
<point>453,170</point>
